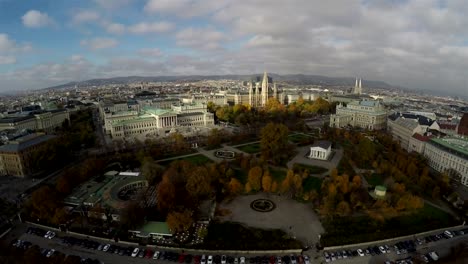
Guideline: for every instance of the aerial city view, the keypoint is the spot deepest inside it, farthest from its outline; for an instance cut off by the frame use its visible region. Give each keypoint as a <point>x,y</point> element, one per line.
<point>233,131</point>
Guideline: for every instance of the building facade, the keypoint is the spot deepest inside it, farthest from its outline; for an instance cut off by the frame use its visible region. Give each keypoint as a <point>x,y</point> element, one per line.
<point>320,150</point>
<point>156,122</point>
<point>448,154</point>
<point>367,114</point>
<point>402,130</point>
<point>260,90</point>
<point>46,121</point>
<point>15,157</point>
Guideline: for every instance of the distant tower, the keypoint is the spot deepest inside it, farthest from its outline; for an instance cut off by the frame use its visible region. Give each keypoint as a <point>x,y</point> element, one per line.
<point>257,93</point>
<point>358,87</point>
<point>275,91</point>
<point>251,94</point>
<point>264,89</point>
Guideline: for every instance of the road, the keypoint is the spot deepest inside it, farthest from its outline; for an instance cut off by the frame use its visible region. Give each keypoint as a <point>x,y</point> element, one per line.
<point>442,247</point>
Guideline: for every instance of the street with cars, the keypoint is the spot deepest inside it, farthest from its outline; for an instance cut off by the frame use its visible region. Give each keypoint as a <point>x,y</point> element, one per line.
<point>427,249</point>
<point>407,251</point>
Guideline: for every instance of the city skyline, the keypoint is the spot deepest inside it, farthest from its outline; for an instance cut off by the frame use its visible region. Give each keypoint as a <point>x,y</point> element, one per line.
<point>416,44</point>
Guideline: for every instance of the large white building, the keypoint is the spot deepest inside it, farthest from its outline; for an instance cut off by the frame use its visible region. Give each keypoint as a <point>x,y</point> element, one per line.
<point>448,154</point>
<point>150,121</point>
<point>403,129</point>
<point>46,121</point>
<point>368,114</point>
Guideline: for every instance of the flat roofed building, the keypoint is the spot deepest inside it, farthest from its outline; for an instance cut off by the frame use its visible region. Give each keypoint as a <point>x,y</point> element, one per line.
<point>367,114</point>
<point>448,154</point>
<point>46,121</point>
<point>15,156</point>
<point>403,129</point>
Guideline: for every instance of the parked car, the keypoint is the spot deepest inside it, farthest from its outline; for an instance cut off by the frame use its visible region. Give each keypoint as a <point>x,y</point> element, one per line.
<point>242,260</point>
<point>210,259</point>
<point>135,252</point>
<point>141,254</point>
<point>156,255</point>
<point>50,253</point>
<point>360,252</point>
<point>106,247</point>
<point>293,259</point>
<point>223,259</point>
<point>382,249</point>
<point>306,259</point>
<point>203,259</point>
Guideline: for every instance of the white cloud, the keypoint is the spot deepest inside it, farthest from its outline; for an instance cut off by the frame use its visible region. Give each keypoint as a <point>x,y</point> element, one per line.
<point>185,8</point>
<point>99,43</point>
<point>155,27</point>
<point>114,28</point>
<point>150,52</point>
<point>9,49</point>
<point>7,59</point>
<point>200,38</point>
<point>165,5</point>
<point>111,4</point>
<point>85,16</point>
<point>36,19</point>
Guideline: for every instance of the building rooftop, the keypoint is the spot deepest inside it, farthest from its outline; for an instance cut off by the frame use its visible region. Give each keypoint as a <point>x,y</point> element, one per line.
<point>457,145</point>
<point>408,123</point>
<point>421,137</point>
<point>322,144</point>
<point>25,142</point>
<point>160,228</point>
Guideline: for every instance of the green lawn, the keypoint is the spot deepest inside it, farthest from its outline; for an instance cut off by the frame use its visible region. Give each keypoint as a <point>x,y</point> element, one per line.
<point>311,183</point>
<point>375,179</point>
<point>298,167</point>
<point>196,160</point>
<point>251,148</point>
<point>299,138</point>
<point>277,175</point>
<point>349,230</point>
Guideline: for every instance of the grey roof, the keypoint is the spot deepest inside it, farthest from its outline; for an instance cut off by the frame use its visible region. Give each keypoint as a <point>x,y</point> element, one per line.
<point>322,144</point>
<point>25,142</point>
<point>15,119</point>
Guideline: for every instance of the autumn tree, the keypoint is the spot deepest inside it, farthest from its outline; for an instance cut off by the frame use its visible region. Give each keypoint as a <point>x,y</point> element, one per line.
<point>198,182</point>
<point>235,187</point>
<point>179,221</point>
<point>287,182</point>
<point>166,194</point>
<point>43,203</point>
<point>214,138</point>
<point>274,142</point>
<point>255,178</point>
<point>267,181</point>
<point>343,208</point>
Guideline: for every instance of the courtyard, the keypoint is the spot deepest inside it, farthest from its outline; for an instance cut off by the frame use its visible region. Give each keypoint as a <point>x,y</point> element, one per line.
<point>296,219</point>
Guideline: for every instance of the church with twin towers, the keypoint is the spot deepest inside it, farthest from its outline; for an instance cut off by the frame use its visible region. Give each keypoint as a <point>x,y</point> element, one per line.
<point>260,90</point>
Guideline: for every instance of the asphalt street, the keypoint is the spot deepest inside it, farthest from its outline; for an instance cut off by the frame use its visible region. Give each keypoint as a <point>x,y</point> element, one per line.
<point>442,247</point>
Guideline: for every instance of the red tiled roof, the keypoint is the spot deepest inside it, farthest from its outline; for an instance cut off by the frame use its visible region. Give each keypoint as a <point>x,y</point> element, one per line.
<point>448,126</point>
<point>421,137</point>
<point>463,126</point>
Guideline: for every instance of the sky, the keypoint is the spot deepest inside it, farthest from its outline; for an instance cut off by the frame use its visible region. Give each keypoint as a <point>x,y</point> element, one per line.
<point>419,44</point>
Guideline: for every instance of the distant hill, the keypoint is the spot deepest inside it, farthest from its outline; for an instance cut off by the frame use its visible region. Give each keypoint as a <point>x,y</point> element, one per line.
<point>292,78</point>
